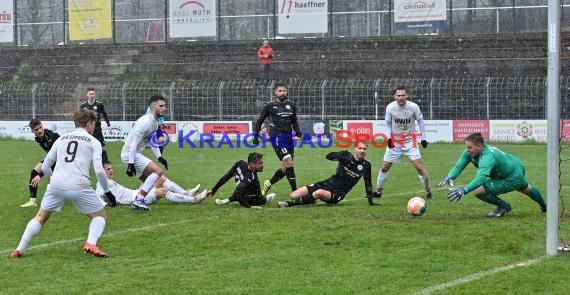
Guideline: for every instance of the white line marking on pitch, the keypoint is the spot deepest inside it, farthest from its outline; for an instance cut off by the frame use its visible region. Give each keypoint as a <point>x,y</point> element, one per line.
<point>149,227</point>
<point>477,276</point>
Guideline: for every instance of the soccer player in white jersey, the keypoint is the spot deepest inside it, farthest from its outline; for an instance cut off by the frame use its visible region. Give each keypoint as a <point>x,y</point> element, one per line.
<point>138,164</point>
<point>401,117</point>
<point>126,196</point>
<point>73,154</point>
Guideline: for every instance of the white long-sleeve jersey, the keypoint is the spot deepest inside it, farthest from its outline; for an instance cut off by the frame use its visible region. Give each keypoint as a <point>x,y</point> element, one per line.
<point>138,137</point>
<point>73,154</point>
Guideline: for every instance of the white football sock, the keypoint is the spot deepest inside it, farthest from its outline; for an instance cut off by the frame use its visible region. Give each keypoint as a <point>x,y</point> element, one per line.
<point>147,185</point>
<point>32,229</point>
<point>96,228</point>
<point>179,198</point>
<point>173,187</point>
<point>381,180</point>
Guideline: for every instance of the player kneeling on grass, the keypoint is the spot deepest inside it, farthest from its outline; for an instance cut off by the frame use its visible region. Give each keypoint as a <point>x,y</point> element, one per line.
<point>126,196</point>
<point>248,191</point>
<point>497,173</point>
<point>73,153</point>
<point>351,167</point>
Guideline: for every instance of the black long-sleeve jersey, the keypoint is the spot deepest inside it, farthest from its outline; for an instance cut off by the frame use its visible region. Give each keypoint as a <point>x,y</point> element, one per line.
<point>99,108</point>
<point>349,171</point>
<point>46,141</point>
<point>243,177</point>
<point>281,118</point>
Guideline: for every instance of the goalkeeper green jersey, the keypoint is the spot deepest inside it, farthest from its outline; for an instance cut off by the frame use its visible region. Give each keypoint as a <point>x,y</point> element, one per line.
<point>491,163</point>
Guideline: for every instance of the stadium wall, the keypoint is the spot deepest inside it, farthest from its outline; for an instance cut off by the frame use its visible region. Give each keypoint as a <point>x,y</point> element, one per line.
<point>319,58</point>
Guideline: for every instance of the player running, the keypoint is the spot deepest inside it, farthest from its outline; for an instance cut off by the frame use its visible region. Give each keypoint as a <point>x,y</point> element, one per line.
<point>138,164</point>
<point>74,153</point>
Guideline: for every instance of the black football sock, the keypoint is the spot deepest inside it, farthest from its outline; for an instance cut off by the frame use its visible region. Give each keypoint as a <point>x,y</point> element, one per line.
<point>308,199</point>
<point>33,190</point>
<point>277,176</point>
<point>304,200</point>
<point>290,172</point>
<point>292,203</point>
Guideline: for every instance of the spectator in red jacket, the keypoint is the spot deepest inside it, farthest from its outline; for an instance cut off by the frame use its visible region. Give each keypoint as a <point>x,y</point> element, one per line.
<point>265,55</point>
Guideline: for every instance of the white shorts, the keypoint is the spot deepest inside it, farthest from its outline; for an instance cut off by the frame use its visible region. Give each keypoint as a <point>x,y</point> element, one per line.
<point>84,201</point>
<point>140,162</point>
<point>394,155</point>
<point>149,199</point>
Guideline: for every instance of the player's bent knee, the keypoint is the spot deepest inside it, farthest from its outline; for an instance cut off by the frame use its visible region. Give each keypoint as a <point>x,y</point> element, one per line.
<point>42,216</point>
<point>526,190</point>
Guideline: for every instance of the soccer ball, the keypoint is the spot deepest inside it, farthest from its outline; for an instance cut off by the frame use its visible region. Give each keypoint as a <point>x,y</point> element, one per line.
<point>416,206</point>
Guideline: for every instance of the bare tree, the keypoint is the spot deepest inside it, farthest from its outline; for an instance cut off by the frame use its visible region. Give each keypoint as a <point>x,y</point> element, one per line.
<point>32,13</point>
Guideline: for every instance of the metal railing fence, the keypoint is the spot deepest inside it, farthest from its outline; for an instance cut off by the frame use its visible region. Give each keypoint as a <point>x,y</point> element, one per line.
<point>439,99</point>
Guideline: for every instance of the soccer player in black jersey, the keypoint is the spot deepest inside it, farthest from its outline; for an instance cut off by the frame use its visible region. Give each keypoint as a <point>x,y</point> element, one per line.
<point>281,115</point>
<point>99,109</point>
<point>351,167</point>
<point>247,191</point>
<point>45,138</point>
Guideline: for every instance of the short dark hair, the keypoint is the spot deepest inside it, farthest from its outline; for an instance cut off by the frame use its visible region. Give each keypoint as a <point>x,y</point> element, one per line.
<point>476,138</point>
<point>156,98</point>
<point>400,87</point>
<point>34,122</point>
<point>106,162</point>
<point>254,157</point>
<point>90,89</point>
<point>279,84</point>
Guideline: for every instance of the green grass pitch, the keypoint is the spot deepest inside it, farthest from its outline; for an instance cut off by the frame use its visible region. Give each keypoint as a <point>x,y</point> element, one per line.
<point>349,248</point>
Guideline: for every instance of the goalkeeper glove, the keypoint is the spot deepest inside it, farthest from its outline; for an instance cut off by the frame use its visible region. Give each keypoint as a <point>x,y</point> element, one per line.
<point>163,161</point>
<point>131,171</point>
<point>456,194</point>
<point>110,199</point>
<point>447,182</point>
<point>372,196</point>
<point>424,143</point>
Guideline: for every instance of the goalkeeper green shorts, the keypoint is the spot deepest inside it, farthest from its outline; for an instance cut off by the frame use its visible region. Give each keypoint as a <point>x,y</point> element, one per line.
<point>515,181</point>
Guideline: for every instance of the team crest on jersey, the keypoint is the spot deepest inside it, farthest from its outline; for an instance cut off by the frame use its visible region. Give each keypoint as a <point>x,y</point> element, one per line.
<point>524,129</point>
<point>288,107</point>
<point>94,108</point>
<point>359,167</point>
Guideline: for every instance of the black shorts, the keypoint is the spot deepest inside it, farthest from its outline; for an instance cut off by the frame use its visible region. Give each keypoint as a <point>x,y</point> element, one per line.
<point>98,134</point>
<point>283,146</point>
<point>337,194</point>
<point>255,200</point>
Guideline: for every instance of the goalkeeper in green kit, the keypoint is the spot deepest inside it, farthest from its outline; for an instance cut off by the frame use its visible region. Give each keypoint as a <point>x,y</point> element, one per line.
<point>497,173</point>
